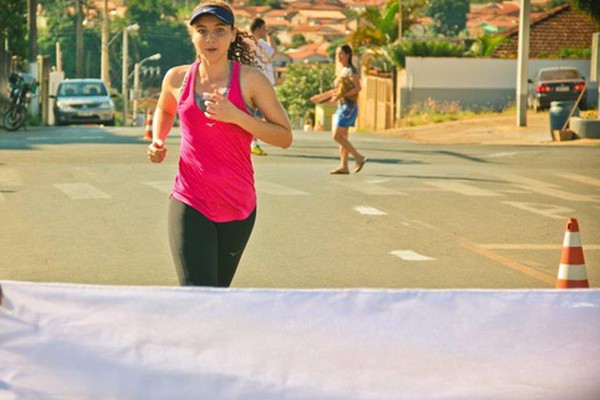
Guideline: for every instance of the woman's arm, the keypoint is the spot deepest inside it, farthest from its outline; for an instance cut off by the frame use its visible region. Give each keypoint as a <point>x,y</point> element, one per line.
<point>275,129</point>
<point>165,112</point>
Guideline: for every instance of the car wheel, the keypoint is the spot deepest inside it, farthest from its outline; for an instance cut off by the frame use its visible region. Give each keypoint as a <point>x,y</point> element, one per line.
<point>110,123</point>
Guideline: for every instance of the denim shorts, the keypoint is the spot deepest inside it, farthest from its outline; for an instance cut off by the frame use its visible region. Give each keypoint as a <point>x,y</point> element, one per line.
<point>346,114</point>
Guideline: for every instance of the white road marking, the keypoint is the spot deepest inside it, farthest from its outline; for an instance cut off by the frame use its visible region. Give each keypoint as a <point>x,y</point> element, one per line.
<point>580,178</point>
<point>163,186</point>
<point>81,191</point>
<point>371,188</point>
<point>505,154</point>
<point>546,188</point>
<point>547,210</point>
<point>366,210</point>
<point>410,255</point>
<point>462,188</point>
<point>276,189</point>
<point>376,181</point>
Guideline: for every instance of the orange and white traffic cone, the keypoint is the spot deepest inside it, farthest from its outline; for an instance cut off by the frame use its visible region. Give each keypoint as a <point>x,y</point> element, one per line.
<point>571,272</point>
<point>148,125</point>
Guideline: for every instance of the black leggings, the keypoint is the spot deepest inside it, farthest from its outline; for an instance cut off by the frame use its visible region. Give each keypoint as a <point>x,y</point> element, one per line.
<point>206,253</point>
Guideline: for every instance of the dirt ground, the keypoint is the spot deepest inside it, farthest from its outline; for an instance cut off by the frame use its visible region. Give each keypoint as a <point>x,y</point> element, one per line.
<point>489,130</point>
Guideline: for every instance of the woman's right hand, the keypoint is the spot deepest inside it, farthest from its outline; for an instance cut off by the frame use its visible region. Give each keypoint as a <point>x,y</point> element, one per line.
<point>157,152</point>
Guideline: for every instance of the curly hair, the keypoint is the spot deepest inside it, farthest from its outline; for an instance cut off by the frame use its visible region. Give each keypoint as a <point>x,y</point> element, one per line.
<point>239,49</point>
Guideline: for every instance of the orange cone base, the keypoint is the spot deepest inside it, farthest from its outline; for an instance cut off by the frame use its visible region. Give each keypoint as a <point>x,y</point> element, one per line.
<point>569,284</point>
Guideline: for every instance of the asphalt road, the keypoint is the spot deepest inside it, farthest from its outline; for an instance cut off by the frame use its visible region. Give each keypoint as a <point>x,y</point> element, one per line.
<point>82,204</point>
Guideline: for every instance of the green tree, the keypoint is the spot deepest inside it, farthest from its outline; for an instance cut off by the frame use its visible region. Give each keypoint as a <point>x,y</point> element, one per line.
<point>592,7</point>
<point>147,12</point>
<point>377,30</point>
<point>449,16</point>
<point>301,82</point>
<point>485,45</point>
<point>13,26</point>
<point>159,33</point>
<point>297,41</point>
<point>424,48</point>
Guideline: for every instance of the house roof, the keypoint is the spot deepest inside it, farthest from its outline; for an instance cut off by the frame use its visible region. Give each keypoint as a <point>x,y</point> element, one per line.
<point>560,28</point>
<point>494,17</point>
<point>308,50</point>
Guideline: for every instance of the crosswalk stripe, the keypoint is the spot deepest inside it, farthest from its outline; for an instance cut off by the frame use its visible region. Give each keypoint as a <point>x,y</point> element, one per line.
<point>579,178</point>
<point>462,188</point>
<point>366,210</point>
<point>163,186</point>
<point>371,188</point>
<point>410,255</point>
<point>81,191</point>
<point>547,189</point>
<point>276,189</point>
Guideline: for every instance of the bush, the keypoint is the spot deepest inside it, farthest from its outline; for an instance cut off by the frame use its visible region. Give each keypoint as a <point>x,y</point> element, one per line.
<point>424,48</point>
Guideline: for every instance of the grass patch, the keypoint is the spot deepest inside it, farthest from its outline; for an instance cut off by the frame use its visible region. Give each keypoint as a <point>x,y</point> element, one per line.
<point>432,112</point>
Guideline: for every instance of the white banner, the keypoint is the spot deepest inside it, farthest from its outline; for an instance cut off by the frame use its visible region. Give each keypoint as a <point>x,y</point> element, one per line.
<point>63,341</point>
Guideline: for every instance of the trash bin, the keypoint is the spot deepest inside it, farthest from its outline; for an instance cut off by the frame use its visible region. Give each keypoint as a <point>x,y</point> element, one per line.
<point>559,113</point>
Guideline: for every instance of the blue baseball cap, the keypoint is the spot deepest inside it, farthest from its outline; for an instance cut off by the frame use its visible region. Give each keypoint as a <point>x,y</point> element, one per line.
<point>220,12</point>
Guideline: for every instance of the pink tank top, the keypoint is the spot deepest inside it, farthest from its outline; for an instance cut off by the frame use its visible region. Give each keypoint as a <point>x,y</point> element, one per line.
<point>215,174</point>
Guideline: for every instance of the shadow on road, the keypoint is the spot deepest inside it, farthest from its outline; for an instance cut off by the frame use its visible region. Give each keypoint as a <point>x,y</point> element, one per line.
<point>33,137</point>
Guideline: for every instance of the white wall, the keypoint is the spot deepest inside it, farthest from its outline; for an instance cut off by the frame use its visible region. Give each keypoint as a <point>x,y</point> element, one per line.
<point>474,82</point>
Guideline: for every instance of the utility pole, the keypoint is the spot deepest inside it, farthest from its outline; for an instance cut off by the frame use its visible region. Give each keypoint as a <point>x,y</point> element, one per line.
<point>399,21</point>
<point>58,57</point>
<point>125,75</point>
<point>32,28</point>
<point>125,70</point>
<point>104,61</point>
<point>523,63</point>
<point>79,58</point>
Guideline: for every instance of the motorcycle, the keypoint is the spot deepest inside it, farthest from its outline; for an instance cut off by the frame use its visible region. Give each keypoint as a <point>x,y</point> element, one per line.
<point>21,93</point>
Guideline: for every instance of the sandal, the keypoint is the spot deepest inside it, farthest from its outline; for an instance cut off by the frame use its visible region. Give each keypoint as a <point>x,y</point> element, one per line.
<point>339,171</point>
<point>359,165</point>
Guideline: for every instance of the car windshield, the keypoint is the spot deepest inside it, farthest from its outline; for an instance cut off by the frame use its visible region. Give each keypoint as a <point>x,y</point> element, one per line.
<point>559,75</point>
<point>82,89</point>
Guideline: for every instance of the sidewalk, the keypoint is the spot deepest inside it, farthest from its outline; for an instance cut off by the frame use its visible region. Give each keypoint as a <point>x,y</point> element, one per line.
<point>488,131</point>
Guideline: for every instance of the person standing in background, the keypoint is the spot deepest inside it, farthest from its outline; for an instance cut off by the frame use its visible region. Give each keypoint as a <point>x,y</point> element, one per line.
<point>264,49</point>
<point>212,207</point>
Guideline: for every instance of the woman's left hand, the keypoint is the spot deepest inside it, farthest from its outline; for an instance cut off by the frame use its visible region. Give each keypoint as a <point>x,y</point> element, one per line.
<point>219,108</point>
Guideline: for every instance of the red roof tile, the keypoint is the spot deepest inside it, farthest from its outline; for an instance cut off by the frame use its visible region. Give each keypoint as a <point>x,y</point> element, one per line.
<point>559,28</point>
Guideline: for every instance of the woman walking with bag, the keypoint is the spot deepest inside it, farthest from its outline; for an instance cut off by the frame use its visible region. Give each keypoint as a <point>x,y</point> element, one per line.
<point>347,85</point>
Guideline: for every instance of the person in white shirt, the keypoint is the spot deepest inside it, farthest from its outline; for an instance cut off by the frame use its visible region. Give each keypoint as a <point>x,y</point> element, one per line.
<point>264,49</point>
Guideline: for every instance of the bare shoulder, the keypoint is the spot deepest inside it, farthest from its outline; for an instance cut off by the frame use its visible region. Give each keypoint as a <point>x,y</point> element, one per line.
<point>174,76</point>
<point>253,75</point>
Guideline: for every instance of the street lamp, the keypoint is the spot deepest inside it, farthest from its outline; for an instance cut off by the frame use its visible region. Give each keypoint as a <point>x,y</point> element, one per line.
<point>136,80</point>
<point>125,85</point>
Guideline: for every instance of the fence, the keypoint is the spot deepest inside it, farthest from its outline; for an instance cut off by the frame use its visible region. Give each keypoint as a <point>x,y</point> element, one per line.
<point>376,103</point>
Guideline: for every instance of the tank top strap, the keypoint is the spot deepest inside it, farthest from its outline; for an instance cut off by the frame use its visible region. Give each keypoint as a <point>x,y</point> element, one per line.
<point>188,81</point>
<point>235,87</point>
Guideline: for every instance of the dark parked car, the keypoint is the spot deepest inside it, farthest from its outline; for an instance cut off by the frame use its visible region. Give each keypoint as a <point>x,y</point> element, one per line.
<point>83,101</point>
<point>556,84</point>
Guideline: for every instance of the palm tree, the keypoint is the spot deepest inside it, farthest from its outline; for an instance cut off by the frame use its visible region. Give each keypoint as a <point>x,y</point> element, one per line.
<point>377,30</point>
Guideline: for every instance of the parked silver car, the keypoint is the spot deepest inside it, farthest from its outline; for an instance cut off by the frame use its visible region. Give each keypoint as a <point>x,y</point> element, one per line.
<point>83,101</point>
<point>556,84</point>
